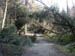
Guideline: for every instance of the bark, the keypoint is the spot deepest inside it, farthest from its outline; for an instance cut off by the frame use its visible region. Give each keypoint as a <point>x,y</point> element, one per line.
<point>25,29</point>
<point>5,13</point>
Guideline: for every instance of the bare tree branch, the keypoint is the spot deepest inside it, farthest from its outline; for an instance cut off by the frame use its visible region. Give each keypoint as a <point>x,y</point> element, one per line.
<point>43,4</point>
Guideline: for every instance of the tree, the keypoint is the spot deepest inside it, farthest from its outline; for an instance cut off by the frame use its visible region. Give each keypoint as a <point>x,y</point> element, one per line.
<point>5,13</point>
<point>8,7</point>
<point>61,20</point>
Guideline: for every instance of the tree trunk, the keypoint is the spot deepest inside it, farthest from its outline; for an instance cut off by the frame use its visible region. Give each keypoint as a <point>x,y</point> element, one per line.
<point>5,13</point>
<point>73,31</point>
<point>25,29</point>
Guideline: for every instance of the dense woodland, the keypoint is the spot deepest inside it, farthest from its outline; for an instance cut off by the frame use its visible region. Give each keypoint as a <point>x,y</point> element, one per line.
<point>19,18</point>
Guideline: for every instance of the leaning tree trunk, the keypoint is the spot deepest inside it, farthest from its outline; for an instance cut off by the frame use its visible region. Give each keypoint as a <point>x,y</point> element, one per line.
<point>5,13</point>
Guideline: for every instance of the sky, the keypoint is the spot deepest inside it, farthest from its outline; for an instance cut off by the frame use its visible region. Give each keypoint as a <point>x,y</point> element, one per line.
<point>62,4</point>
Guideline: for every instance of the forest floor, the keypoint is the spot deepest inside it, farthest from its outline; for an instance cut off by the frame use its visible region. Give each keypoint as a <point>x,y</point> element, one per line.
<point>43,48</point>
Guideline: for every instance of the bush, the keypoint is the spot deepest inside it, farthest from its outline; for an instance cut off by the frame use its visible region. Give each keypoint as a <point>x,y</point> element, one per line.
<point>9,36</point>
<point>9,30</point>
<point>71,47</point>
<point>66,39</point>
<point>51,37</point>
<point>11,50</point>
<point>12,42</point>
<point>20,22</point>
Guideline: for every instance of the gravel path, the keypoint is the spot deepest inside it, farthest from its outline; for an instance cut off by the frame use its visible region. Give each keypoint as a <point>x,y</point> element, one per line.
<point>43,49</point>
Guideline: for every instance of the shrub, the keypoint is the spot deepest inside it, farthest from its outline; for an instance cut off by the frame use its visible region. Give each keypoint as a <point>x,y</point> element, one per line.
<point>8,35</point>
<point>20,22</point>
<point>9,30</point>
<point>50,37</point>
<point>66,39</point>
<point>10,50</point>
<point>71,47</point>
<point>12,42</point>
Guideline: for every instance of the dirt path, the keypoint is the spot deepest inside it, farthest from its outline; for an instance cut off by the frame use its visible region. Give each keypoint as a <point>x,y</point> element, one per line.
<point>43,49</point>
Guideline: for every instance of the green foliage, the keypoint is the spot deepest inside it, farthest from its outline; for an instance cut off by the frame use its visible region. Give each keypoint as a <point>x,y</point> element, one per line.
<point>8,30</point>
<point>10,50</point>
<point>21,12</point>
<point>54,8</point>
<point>66,39</point>
<point>13,42</point>
<point>8,35</point>
<point>70,49</point>
<point>63,48</point>
<point>19,23</point>
<point>21,17</point>
<point>51,37</point>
